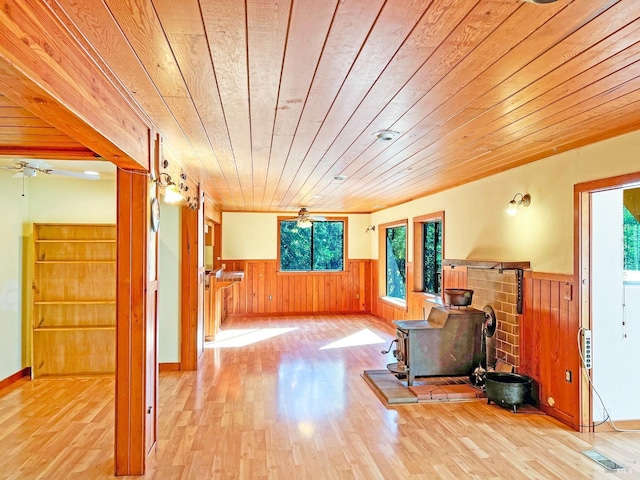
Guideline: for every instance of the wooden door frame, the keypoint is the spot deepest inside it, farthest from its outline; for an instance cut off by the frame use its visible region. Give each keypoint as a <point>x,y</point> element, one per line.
<point>582,271</point>
<point>192,285</point>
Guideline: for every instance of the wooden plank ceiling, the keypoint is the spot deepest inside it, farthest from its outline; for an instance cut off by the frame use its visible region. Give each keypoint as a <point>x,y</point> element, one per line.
<point>266,101</point>
<point>22,134</point>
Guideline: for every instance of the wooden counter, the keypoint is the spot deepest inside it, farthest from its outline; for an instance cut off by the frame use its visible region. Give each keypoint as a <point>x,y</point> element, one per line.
<point>489,264</point>
<point>218,281</point>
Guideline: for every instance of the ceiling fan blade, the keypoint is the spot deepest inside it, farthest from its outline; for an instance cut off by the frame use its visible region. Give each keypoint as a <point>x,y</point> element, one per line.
<point>35,165</point>
<point>67,173</point>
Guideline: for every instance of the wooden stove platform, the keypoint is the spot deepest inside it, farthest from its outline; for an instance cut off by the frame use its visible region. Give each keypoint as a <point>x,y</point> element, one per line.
<point>393,391</point>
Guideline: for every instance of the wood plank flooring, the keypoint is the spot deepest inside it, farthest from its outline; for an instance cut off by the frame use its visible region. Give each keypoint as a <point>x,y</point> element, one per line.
<point>284,407</point>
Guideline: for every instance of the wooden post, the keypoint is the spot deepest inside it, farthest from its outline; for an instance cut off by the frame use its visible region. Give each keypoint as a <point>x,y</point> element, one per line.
<point>136,395</point>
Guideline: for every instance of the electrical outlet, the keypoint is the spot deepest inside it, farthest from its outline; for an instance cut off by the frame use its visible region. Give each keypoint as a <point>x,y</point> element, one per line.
<point>587,353</point>
<point>270,297</point>
<point>567,376</point>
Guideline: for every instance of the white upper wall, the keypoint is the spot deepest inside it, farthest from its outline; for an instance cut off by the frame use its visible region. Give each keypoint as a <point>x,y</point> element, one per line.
<point>477,227</point>
<point>47,199</point>
<point>13,211</point>
<point>254,236</point>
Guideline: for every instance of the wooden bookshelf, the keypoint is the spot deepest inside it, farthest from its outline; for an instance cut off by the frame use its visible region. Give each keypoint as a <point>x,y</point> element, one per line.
<point>73,307</point>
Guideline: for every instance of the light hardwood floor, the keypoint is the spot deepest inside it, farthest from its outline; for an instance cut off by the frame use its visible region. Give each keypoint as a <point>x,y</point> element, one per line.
<point>287,408</point>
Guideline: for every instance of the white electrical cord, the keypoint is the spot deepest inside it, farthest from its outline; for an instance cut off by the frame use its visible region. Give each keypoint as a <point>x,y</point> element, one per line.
<point>604,408</point>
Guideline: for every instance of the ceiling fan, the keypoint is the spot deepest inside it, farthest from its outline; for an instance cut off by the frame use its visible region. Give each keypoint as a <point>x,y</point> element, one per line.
<point>28,169</point>
<point>305,219</point>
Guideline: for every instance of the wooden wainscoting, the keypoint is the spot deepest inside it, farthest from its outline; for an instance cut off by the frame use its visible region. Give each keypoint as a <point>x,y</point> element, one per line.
<point>266,290</point>
<point>548,348</point>
<point>454,277</point>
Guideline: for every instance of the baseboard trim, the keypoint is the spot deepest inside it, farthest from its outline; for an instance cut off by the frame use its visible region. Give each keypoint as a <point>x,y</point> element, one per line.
<point>169,367</point>
<point>621,424</point>
<point>291,314</point>
<point>25,372</point>
<point>562,417</point>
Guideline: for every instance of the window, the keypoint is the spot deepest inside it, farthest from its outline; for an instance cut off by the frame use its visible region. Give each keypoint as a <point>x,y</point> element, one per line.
<point>428,252</point>
<point>319,248</point>
<point>631,234</point>
<point>432,261</point>
<point>396,259</point>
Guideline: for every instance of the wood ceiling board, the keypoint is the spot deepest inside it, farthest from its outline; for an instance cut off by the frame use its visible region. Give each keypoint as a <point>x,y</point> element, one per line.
<point>192,54</point>
<point>434,30</point>
<point>394,24</point>
<point>349,29</point>
<point>51,78</point>
<point>557,58</point>
<point>225,26</point>
<point>466,95</point>
<point>588,99</point>
<point>585,99</point>
<point>449,108</point>
<point>574,129</point>
<point>306,40</point>
<point>590,121</point>
<point>185,20</point>
<point>187,37</point>
<point>399,155</point>
<point>486,92</point>
<point>22,133</point>
<point>24,122</point>
<point>426,81</point>
<point>101,30</point>
<point>492,134</point>
<point>46,153</point>
<point>35,132</point>
<point>472,128</point>
<point>138,21</point>
<point>267,24</point>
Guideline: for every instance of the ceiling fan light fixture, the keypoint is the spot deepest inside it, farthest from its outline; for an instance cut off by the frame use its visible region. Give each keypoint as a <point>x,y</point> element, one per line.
<point>304,223</point>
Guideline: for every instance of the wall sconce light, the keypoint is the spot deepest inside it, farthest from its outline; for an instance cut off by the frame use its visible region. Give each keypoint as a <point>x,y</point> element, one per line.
<point>370,228</point>
<point>518,199</point>
<point>171,190</point>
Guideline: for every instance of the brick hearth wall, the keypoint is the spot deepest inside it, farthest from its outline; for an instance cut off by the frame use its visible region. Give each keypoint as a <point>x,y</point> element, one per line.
<point>499,290</point>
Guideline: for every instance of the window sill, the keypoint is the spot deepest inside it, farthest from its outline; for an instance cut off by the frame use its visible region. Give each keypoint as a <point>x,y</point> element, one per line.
<point>429,297</point>
<point>312,272</point>
<point>396,302</point>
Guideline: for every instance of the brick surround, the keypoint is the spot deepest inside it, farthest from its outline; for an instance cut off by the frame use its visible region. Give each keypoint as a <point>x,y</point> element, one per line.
<point>499,290</point>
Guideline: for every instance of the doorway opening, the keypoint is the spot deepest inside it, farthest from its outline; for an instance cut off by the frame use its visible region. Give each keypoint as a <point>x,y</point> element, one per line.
<point>607,233</point>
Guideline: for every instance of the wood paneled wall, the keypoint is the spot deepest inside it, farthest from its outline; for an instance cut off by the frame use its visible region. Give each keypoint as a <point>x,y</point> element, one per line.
<point>264,290</point>
<point>548,346</point>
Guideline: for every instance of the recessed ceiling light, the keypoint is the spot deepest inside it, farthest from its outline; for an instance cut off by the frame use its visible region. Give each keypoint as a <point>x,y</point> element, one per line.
<point>90,172</point>
<point>386,134</point>
<point>317,196</point>
<point>340,178</point>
